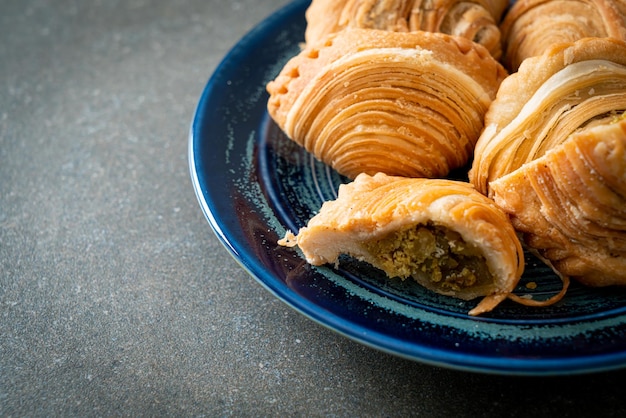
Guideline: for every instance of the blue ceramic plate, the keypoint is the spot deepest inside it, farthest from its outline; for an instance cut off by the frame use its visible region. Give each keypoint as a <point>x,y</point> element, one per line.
<point>253,184</point>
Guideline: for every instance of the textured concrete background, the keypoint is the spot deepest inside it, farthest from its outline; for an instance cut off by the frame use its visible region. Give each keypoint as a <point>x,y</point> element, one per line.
<point>115,296</point>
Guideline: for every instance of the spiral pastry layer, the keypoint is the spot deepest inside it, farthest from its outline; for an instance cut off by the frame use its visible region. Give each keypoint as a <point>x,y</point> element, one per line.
<point>406,104</point>
<point>531,27</point>
<point>548,99</point>
<point>553,157</point>
<point>476,20</point>
<point>571,204</point>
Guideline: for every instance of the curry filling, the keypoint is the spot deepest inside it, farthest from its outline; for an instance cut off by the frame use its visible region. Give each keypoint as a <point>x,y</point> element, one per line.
<point>433,252</point>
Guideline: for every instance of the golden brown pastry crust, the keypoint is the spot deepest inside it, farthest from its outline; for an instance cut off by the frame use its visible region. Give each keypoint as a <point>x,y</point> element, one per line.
<point>409,104</point>
<point>371,207</point>
<point>531,27</point>
<point>552,156</point>
<point>571,204</point>
<point>548,99</point>
<point>476,20</point>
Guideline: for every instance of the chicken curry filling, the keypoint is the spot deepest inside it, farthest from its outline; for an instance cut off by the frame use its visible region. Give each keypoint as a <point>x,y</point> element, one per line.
<point>434,252</point>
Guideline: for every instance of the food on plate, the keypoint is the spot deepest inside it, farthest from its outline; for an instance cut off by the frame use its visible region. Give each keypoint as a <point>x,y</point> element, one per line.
<point>395,108</point>
<point>552,156</point>
<point>571,203</point>
<point>406,104</point>
<point>476,20</point>
<point>531,27</point>
<point>548,99</point>
<point>441,233</point>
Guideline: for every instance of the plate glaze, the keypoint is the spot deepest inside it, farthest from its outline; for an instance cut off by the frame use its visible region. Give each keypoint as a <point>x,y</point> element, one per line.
<point>253,184</point>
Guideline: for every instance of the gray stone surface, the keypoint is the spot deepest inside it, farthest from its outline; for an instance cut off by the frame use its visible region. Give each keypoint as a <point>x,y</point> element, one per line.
<point>115,296</point>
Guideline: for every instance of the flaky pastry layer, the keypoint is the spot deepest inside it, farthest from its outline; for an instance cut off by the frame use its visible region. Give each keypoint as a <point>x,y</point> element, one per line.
<point>407,104</point>
<point>532,27</point>
<point>476,20</point>
<point>571,204</point>
<point>548,99</point>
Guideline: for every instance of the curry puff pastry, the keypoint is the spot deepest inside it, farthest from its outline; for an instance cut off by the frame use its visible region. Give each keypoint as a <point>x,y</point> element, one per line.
<point>552,156</point>
<point>407,104</point>
<point>571,204</point>
<point>531,27</point>
<point>548,99</point>
<point>442,233</point>
<point>476,20</point>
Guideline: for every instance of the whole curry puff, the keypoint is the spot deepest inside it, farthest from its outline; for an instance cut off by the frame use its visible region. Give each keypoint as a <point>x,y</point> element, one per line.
<point>407,104</point>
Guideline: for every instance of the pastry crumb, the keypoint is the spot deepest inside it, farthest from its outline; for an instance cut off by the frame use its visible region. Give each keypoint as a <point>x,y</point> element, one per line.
<point>289,240</point>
